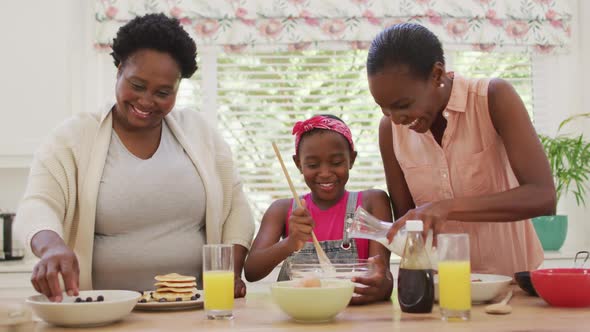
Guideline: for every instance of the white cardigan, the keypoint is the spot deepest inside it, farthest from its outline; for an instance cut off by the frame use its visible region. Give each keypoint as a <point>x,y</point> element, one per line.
<point>64,179</point>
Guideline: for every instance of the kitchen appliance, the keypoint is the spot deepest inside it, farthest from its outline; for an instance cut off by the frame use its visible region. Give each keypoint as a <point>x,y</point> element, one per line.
<point>10,248</point>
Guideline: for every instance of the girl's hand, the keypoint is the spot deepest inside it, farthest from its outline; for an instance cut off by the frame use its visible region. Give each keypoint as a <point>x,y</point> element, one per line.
<point>239,287</point>
<point>378,285</point>
<point>300,227</point>
<point>59,259</point>
<point>431,215</point>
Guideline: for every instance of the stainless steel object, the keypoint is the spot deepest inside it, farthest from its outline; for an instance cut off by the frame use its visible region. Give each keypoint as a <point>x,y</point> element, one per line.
<point>10,248</point>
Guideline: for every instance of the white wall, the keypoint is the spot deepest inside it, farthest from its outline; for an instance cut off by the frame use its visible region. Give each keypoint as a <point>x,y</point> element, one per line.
<point>36,72</point>
<point>581,82</point>
<point>563,81</point>
<point>35,84</point>
<point>50,71</point>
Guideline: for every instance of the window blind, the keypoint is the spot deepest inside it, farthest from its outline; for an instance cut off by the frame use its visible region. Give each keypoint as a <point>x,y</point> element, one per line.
<point>259,97</point>
<point>515,68</point>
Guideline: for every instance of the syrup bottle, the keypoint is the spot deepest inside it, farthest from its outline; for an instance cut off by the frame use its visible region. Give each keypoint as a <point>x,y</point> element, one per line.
<point>415,285</point>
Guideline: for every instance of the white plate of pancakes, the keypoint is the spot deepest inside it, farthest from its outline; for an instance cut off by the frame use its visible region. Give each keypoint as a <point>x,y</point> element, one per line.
<point>173,292</point>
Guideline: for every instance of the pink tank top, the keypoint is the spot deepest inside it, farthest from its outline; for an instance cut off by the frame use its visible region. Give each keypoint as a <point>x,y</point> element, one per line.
<point>472,161</point>
<point>329,224</point>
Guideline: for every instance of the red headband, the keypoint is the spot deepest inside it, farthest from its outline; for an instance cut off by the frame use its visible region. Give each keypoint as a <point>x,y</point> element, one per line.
<point>321,122</point>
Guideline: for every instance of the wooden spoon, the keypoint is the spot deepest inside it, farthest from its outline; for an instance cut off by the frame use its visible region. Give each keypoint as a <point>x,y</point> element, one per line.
<point>501,308</point>
<point>322,257</point>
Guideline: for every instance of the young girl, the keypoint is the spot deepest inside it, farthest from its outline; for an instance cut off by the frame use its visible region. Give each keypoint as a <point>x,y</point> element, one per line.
<point>324,153</point>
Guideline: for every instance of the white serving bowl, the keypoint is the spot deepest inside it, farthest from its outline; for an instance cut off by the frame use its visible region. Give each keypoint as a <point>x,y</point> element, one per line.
<point>116,305</point>
<point>313,304</point>
<point>490,286</point>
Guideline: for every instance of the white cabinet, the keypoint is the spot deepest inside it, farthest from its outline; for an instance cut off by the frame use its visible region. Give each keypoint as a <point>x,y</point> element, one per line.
<point>15,278</point>
<point>36,81</point>
<point>44,79</point>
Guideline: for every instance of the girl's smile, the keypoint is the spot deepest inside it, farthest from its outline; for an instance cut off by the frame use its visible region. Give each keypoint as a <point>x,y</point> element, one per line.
<point>325,159</point>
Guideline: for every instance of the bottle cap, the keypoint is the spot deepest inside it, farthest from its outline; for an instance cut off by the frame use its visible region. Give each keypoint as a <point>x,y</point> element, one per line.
<point>414,226</point>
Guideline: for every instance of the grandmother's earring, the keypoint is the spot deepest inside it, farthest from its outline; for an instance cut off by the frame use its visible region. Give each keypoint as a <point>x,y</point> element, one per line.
<point>441,85</point>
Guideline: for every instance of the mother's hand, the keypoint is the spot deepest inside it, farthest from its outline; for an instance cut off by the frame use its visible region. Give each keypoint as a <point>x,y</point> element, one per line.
<point>58,259</point>
<point>431,214</point>
<point>378,285</point>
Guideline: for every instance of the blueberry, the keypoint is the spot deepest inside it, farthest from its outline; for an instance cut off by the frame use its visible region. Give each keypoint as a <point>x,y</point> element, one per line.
<point>162,300</point>
<point>142,301</point>
<point>179,299</point>
<point>89,299</point>
<point>194,297</point>
<point>78,299</point>
<point>100,298</point>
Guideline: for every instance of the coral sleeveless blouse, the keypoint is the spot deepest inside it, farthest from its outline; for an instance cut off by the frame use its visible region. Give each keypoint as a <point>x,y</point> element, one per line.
<point>472,161</point>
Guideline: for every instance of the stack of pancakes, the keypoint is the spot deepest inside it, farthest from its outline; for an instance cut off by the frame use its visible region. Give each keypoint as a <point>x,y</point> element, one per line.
<point>175,287</point>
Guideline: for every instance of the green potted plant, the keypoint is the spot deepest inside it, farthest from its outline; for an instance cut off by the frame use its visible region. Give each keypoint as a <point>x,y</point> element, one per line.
<point>569,158</point>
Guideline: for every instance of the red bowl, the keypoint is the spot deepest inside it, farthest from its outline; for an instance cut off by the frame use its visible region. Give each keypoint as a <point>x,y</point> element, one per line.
<point>563,287</point>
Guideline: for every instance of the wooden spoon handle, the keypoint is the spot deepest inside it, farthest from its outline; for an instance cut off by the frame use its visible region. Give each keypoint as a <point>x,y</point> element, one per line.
<point>322,257</point>
<point>291,186</point>
<point>507,298</point>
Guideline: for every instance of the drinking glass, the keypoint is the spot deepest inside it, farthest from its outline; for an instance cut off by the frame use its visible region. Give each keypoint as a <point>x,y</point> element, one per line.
<point>218,280</point>
<point>454,276</point>
<point>364,225</point>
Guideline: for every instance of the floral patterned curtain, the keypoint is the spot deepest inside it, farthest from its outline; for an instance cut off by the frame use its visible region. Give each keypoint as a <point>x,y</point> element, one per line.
<point>240,25</point>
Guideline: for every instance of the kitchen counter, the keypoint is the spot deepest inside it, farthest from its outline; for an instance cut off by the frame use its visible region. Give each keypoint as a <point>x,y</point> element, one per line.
<point>257,312</point>
<point>552,259</point>
<point>25,265</point>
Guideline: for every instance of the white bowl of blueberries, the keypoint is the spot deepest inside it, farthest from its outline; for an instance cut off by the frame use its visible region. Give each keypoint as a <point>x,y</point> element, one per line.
<point>89,308</point>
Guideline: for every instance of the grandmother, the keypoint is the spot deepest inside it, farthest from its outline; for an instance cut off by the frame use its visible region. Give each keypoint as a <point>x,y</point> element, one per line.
<point>117,197</point>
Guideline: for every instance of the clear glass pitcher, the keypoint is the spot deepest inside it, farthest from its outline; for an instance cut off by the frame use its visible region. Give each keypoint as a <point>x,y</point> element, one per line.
<point>364,225</point>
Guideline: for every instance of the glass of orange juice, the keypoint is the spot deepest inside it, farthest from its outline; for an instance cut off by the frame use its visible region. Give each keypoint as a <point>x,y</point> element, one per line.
<point>218,280</point>
<point>454,276</point>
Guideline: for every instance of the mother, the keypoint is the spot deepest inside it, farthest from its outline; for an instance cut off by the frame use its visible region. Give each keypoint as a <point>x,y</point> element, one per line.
<point>115,198</point>
<point>461,154</point>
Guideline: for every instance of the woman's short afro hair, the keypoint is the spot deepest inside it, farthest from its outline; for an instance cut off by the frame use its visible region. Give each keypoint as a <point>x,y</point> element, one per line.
<point>157,32</point>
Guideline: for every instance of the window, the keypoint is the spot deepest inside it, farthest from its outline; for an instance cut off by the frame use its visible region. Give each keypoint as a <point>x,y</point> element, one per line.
<point>516,68</point>
<point>260,97</point>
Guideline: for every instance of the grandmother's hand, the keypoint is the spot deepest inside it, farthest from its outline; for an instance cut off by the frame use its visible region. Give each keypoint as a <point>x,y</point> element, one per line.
<point>378,285</point>
<point>239,287</point>
<point>57,259</point>
<point>431,214</point>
